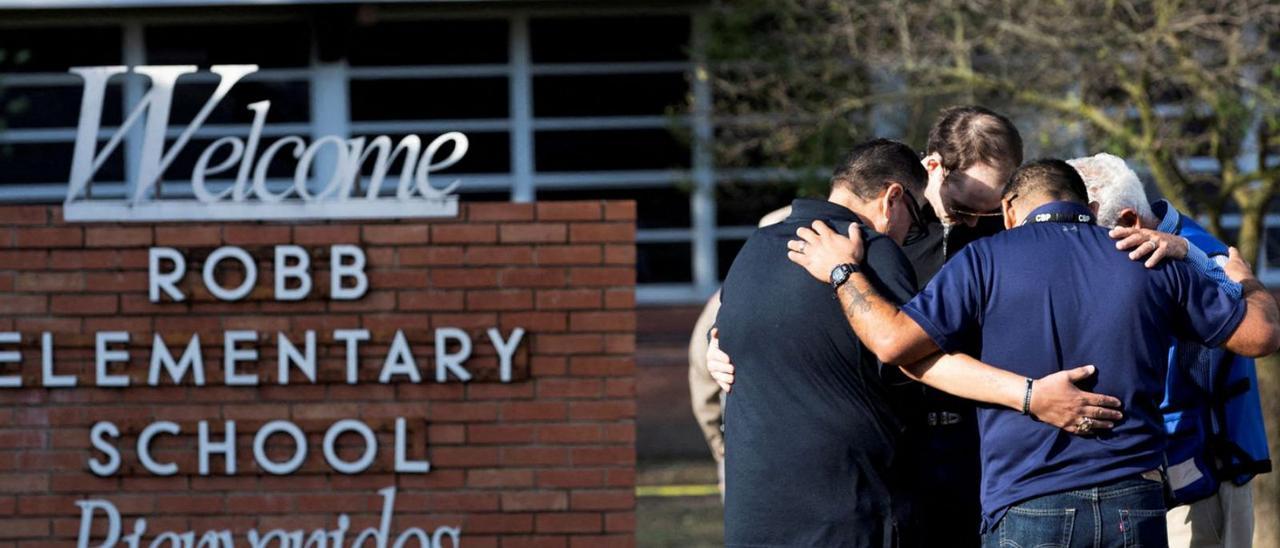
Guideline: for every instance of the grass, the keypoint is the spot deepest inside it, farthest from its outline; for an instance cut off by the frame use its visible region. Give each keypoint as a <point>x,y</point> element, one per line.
<point>678,521</point>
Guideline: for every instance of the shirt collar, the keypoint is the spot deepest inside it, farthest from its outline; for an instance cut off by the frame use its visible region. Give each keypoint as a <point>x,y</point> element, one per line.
<point>1069,208</point>
<point>1168,215</point>
<point>805,209</point>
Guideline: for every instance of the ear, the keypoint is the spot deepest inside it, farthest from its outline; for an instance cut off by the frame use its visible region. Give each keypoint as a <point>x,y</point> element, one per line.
<point>1010,214</point>
<point>891,195</point>
<point>1128,218</point>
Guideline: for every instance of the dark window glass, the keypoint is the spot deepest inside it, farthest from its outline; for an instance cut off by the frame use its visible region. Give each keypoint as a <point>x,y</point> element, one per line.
<point>743,204</point>
<point>664,263</point>
<point>429,99</point>
<point>51,163</point>
<point>290,102</point>
<point>446,42</point>
<point>603,39</point>
<point>727,251</point>
<point>284,44</point>
<point>34,49</point>
<point>486,153</point>
<point>605,95</point>
<point>609,149</point>
<point>666,207</point>
<point>50,107</point>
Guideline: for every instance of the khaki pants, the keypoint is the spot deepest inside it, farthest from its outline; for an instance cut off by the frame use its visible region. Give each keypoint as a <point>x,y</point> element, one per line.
<point>1222,520</point>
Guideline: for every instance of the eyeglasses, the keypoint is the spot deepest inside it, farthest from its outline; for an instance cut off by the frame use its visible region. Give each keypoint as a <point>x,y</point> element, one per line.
<point>955,213</point>
<point>918,229</point>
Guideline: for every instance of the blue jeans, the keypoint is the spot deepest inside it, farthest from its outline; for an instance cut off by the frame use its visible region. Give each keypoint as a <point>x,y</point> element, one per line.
<point>1125,513</point>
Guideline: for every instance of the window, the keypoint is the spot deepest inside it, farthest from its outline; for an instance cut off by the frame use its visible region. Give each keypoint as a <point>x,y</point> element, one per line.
<point>268,45</point>
<point>591,150</point>
<point>53,106</point>
<point>611,39</point>
<point>609,95</point>
<point>424,99</point>
<point>430,43</point>
<point>44,49</point>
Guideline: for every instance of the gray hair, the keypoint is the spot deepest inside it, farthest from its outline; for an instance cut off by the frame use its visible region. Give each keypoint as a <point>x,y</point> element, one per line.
<point>1113,185</point>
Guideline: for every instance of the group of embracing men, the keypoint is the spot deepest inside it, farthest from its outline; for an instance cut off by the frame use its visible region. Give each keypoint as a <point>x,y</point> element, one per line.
<point>957,348</point>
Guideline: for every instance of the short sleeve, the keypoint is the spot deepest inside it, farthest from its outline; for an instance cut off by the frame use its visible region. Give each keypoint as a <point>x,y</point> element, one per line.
<point>1204,311</point>
<point>888,269</point>
<point>950,307</point>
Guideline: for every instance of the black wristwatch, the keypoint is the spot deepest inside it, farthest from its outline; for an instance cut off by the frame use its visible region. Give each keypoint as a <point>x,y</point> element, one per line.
<point>840,274</point>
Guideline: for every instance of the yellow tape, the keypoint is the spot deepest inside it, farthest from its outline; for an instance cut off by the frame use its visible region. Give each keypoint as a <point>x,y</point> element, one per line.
<point>677,490</point>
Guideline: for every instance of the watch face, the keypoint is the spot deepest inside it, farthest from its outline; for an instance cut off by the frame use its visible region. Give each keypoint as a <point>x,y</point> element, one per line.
<point>840,274</point>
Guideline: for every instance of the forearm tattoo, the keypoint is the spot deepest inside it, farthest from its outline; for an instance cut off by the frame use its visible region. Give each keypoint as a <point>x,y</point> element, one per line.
<point>859,300</point>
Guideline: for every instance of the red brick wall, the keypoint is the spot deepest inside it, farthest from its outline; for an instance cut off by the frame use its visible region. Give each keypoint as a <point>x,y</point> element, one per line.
<point>547,459</point>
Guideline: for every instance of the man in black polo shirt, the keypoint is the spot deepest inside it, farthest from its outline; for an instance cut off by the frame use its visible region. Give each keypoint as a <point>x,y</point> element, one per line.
<point>810,429</point>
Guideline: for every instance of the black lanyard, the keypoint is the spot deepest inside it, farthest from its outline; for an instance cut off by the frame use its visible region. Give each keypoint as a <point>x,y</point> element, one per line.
<point>1081,218</point>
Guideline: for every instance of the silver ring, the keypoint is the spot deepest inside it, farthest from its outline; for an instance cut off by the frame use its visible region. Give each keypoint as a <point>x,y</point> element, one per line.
<point>803,246</point>
<point>1086,424</point>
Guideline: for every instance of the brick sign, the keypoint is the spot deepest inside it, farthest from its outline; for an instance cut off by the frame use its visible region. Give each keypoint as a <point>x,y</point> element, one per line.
<point>426,382</point>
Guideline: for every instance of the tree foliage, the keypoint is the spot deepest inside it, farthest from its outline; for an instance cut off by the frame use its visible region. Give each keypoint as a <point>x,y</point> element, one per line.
<point>1159,82</point>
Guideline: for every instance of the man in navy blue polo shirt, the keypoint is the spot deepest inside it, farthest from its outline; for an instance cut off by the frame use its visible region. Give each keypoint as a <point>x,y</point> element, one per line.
<point>1048,294</point>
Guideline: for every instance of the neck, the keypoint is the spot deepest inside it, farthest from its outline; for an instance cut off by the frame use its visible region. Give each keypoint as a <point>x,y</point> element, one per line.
<point>852,202</point>
<point>1149,222</point>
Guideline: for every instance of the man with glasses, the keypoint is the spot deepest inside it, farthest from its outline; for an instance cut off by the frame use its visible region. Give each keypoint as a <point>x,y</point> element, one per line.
<point>969,156</point>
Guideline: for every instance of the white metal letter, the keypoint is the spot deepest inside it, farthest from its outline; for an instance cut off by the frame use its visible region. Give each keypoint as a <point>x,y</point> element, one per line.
<point>192,359</point>
<point>144,447</point>
<point>47,378</point>
<point>399,361</point>
<point>370,446</point>
<point>306,362</point>
<point>352,337</point>
<point>338,270</point>
<point>250,273</point>
<point>506,350</point>
<point>231,355</point>
<point>97,437</point>
<point>260,447</point>
<point>104,356</point>
<point>297,271</point>
<point>207,447</point>
<point>10,356</point>
<point>452,361</point>
<point>157,280</point>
